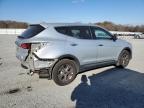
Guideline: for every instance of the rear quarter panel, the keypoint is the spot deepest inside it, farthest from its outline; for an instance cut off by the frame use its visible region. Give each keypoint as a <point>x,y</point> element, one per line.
<point>52,50</point>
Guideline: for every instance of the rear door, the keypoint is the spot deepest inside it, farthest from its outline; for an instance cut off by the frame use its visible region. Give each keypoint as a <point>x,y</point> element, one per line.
<point>80,43</point>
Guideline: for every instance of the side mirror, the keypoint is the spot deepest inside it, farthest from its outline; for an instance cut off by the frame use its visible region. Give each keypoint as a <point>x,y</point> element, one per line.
<point>114,37</point>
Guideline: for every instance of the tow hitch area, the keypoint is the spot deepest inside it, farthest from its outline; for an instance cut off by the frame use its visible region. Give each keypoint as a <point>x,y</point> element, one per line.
<point>30,73</point>
<point>43,73</point>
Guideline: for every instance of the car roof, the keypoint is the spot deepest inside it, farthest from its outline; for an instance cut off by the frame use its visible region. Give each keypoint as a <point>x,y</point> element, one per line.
<point>46,25</point>
<point>65,24</point>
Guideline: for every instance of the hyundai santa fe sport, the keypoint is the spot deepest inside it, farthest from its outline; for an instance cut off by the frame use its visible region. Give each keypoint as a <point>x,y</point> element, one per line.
<point>60,51</point>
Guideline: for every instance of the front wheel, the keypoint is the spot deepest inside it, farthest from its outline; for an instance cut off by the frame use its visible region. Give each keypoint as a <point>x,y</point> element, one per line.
<point>64,72</point>
<point>124,59</point>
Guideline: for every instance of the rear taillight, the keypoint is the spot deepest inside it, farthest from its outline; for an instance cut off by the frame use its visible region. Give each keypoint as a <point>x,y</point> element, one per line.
<point>25,45</point>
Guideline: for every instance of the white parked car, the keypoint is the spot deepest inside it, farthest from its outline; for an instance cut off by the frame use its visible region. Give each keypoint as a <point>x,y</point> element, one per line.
<point>139,36</point>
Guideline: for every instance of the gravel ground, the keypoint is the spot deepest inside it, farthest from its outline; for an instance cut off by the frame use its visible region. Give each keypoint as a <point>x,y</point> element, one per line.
<point>101,88</point>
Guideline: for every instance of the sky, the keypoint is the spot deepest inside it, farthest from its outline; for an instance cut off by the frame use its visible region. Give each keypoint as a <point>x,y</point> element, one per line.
<point>85,11</point>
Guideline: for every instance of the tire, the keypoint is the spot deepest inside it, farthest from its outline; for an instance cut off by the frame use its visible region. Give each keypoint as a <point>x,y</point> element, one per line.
<point>124,59</point>
<point>64,72</point>
<point>135,37</point>
<point>138,37</point>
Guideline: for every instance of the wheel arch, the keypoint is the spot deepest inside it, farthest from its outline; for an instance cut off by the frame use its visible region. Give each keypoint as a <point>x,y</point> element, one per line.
<point>67,56</point>
<point>71,57</point>
<point>129,50</point>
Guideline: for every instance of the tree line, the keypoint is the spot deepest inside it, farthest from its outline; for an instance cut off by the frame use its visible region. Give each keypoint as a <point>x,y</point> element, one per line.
<point>118,27</point>
<point>108,25</point>
<point>13,24</point>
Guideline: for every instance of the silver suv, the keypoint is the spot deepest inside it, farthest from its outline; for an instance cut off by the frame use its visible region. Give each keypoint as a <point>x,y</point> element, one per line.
<point>61,51</point>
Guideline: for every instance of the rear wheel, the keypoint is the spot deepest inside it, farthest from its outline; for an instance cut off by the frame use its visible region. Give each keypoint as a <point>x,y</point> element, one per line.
<point>124,59</point>
<point>64,72</point>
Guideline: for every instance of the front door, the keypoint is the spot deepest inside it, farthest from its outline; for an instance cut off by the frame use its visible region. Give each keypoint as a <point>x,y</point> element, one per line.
<point>107,48</point>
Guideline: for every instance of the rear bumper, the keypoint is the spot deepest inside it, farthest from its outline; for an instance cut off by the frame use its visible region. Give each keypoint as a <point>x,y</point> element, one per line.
<point>34,63</point>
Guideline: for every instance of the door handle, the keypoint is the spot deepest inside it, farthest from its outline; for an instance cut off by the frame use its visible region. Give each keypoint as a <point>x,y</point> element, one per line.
<point>74,44</point>
<point>100,45</point>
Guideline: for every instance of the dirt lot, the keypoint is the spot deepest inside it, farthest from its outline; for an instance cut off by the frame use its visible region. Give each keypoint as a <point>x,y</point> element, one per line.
<point>106,87</point>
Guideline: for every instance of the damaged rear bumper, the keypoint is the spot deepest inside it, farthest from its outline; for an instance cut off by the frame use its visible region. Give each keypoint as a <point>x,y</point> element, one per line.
<point>33,63</point>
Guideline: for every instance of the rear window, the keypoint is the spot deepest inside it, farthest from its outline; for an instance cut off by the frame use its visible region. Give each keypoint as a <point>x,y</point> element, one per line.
<point>80,32</point>
<point>32,31</point>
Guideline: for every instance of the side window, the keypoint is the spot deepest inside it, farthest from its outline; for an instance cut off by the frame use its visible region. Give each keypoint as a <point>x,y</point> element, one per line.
<point>99,33</point>
<point>74,33</point>
<point>80,32</point>
<point>62,30</point>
